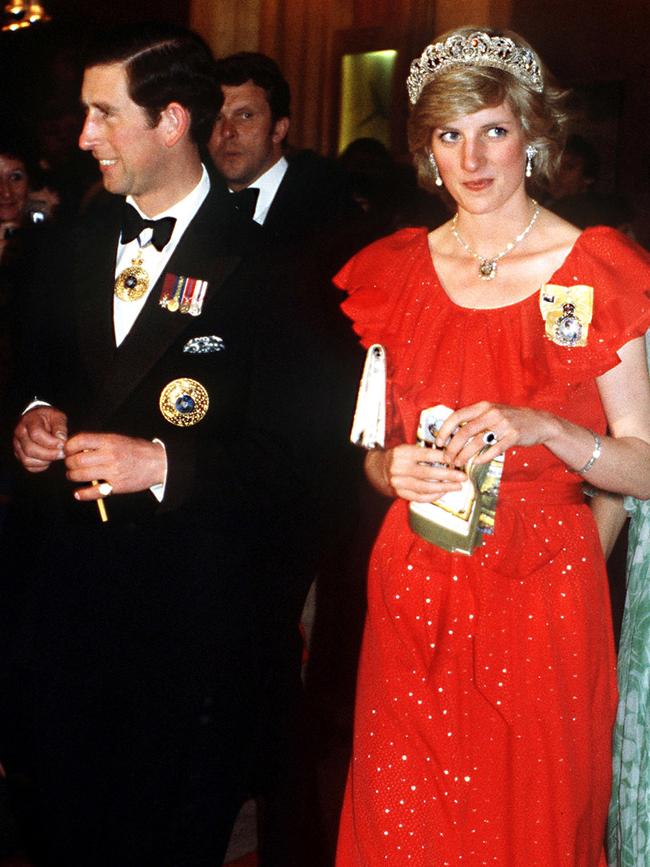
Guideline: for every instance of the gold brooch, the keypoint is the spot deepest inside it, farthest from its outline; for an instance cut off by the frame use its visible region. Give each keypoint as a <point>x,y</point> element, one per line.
<point>184,402</point>
<point>567,312</point>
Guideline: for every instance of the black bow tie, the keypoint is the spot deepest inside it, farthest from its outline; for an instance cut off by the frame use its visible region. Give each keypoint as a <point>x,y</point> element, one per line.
<point>243,202</point>
<point>133,224</point>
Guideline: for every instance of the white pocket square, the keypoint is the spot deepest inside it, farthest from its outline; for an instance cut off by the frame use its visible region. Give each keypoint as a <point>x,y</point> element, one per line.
<point>203,345</point>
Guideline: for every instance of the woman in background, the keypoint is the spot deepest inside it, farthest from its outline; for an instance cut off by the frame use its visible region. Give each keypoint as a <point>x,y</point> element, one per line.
<point>15,250</point>
<point>486,690</point>
<point>629,815</point>
<point>24,205</point>
<point>14,190</point>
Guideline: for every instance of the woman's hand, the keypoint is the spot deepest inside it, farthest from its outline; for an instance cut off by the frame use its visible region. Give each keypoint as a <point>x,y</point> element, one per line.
<point>511,425</point>
<point>412,473</point>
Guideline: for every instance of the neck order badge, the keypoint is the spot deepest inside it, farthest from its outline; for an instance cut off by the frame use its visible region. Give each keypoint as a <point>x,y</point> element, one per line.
<point>132,282</point>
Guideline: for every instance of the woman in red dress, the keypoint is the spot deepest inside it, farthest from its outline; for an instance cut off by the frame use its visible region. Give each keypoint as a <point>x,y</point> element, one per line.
<point>486,690</point>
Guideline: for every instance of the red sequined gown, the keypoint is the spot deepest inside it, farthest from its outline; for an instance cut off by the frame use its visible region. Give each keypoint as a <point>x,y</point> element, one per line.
<point>486,691</point>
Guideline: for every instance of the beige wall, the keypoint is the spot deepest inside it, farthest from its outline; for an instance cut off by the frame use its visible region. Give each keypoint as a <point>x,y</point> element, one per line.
<point>228,25</point>
<point>452,13</point>
<point>299,34</point>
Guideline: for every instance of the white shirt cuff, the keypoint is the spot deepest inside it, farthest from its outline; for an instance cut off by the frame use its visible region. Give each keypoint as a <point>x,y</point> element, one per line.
<point>34,403</point>
<point>159,490</point>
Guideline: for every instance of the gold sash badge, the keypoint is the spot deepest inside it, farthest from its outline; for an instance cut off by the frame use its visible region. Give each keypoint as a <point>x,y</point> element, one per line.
<point>567,312</point>
<point>184,402</point>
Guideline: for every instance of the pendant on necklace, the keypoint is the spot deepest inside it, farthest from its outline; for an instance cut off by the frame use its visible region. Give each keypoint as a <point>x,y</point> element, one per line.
<point>132,282</point>
<point>487,269</point>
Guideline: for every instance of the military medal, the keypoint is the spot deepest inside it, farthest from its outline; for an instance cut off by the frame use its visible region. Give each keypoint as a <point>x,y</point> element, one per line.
<point>196,304</point>
<point>184,294</point>
<point>132,283</point>
<point>184,305</point>
<point>184,402</point>
<point>567,312</point>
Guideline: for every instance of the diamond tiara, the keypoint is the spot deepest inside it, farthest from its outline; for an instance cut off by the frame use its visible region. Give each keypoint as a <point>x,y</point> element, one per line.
<point>474,49</point>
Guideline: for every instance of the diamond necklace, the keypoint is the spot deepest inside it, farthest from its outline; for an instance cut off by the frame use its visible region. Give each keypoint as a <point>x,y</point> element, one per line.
<point>487,265</point>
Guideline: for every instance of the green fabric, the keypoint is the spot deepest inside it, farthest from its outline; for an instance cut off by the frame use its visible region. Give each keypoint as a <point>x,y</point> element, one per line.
<point>629,816</point>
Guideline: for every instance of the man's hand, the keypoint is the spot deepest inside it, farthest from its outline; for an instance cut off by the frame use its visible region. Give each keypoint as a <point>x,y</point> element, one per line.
<point>126,463</point>
<point>40,437</point>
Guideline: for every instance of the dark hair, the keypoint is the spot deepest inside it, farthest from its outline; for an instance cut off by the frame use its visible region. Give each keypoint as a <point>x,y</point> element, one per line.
<point>18,147</point>
<point>164,63</point>
<point>578,146</point>
<point>263,71</point>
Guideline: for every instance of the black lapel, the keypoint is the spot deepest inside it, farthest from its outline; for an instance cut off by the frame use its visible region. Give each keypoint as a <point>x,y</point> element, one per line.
<point>282,206</point>
<point>203,252</point>
<point>93,279</point>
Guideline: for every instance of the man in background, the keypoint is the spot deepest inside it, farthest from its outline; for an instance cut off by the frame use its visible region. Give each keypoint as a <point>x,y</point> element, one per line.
<point>302,200</point>
<point>309,225</point>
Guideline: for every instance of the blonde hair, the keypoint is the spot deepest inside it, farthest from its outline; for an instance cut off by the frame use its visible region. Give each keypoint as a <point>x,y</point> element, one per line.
<point>462,90</point>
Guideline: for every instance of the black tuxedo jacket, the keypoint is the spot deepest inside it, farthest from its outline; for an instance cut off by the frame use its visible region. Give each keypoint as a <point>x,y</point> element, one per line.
<point>313,197</point>
<point>313,221</point>
<point>144,644</point>
<point>72,360</point>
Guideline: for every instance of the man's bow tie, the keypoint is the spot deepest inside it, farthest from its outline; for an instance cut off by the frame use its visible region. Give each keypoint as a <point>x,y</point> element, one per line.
<point>133,224</point>
<point>244,201</point>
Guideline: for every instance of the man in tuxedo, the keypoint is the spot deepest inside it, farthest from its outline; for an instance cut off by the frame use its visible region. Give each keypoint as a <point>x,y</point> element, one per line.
<point>177,447</point>
<point>303,201</point>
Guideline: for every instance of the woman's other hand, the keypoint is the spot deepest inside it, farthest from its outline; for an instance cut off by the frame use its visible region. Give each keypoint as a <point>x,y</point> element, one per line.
<point>412,473</point>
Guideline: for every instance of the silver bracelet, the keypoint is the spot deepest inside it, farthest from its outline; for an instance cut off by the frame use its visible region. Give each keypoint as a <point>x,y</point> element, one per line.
<point>594,455</point>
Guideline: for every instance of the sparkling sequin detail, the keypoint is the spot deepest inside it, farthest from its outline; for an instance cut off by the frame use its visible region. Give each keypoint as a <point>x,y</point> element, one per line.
<point>486,687</point>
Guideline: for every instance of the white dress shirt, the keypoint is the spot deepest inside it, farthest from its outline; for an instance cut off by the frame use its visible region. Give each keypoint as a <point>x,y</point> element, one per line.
<point>153,261</point>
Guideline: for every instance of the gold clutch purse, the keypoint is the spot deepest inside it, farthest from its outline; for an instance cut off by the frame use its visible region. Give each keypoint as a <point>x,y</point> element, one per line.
<point>457,521</point>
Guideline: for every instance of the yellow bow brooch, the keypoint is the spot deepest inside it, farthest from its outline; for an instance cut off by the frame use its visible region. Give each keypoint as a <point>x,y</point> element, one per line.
<point>567,312</point>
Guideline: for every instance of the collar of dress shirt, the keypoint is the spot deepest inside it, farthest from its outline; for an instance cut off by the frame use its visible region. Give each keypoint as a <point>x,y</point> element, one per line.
<point>268,184</point>
<point>182,211</point>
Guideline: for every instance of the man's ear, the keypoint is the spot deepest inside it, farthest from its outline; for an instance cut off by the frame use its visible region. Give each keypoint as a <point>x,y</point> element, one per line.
<point>280,130</point>
<point>174,123</point>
